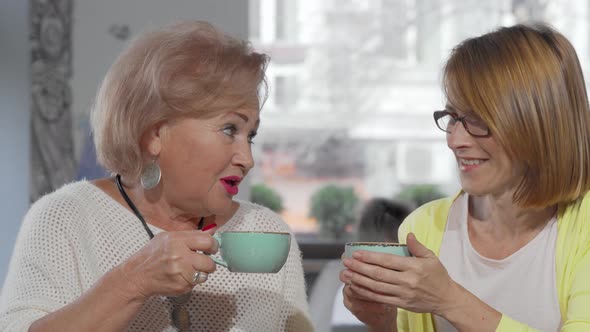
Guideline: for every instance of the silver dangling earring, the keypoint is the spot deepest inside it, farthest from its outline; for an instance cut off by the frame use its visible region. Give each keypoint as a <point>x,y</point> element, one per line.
<point>151,175</point>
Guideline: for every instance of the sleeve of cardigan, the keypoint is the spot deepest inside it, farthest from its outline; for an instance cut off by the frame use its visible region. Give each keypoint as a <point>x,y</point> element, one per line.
<point>42,276</point>
<point>508,324</point>
<point>403,324</point>
<point>402,321</point>
<point>578,308</point>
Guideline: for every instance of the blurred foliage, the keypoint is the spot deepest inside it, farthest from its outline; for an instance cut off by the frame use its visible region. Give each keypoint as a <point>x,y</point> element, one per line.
<point>420,194</point>
<point>334,208</point>
<point>264,195</point>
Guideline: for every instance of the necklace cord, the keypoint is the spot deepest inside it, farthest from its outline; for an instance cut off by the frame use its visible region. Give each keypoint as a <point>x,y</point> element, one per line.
<point>178,302</point>
<point>136,211</point>
<point>132,206</point>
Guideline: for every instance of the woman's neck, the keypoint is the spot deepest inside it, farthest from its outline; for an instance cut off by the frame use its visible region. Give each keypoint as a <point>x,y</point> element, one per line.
<point>502,218</point>
<point>155,209</point>
<point>497,227</point>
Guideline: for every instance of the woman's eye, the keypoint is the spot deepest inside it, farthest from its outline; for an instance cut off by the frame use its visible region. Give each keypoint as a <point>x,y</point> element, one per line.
<point>251,138</point>
<point>452,118</point>
<point>229,130</point>
<point>475,121</point>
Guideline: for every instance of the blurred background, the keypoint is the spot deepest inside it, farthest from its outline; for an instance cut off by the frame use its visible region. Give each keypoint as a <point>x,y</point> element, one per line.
<point>353,84</point>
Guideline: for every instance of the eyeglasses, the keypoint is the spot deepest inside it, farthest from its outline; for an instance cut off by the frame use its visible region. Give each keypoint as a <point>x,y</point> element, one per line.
<point>446,120</point>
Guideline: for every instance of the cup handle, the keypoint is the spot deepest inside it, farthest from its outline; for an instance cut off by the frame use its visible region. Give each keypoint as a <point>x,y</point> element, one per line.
<point>218,261</point>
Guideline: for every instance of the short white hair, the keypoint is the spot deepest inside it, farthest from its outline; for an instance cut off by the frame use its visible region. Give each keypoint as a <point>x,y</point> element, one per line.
<point>186,69</point>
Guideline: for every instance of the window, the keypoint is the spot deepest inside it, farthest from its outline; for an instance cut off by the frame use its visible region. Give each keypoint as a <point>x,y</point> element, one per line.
<point>424,163</point>
<point>285,91</point>
<point>286,20</point>
<point>352,102</point>
<point>351,5</point>
<point>355,89</point>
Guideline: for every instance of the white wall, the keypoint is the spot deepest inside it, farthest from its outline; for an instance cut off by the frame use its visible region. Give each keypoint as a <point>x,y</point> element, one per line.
<point>14,123</point>
<point>94,49</point>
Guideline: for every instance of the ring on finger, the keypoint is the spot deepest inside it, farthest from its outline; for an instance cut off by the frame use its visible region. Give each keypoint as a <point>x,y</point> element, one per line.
<point>200,277</point>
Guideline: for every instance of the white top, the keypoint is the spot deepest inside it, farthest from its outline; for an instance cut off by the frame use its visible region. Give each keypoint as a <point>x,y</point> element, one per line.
<point>70,238</point>
<point>522,285</point>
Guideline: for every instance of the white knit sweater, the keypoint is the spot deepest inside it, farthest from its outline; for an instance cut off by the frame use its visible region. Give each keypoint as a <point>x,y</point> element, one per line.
<point>71,237</point>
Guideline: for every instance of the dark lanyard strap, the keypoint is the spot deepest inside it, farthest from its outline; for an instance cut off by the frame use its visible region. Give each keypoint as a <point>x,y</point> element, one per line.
<point>136,211</point>
<point>132,206</point>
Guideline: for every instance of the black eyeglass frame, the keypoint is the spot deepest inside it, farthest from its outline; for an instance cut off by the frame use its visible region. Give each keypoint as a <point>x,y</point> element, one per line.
<point>441,113</point>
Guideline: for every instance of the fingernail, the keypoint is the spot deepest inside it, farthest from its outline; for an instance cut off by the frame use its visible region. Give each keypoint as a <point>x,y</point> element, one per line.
<point>357,255</point>
<point>347,274</point>
<point>209,227</point>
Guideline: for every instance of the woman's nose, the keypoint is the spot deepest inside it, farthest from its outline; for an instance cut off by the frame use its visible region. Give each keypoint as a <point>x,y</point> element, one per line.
<point>458,137</point>
<point>243,157</point>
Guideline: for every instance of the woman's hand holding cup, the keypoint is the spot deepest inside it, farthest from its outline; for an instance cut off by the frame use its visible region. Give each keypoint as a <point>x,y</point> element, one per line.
<point>419,283</point>
<point>377,316</point>
<point>167,264</point>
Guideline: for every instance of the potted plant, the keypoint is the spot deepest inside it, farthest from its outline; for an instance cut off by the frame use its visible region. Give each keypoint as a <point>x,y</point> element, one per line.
<point>334,209</point>
<point>264,195</point>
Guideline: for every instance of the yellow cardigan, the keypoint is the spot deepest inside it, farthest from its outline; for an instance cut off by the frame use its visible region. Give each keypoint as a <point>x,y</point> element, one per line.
<point>572,260</point>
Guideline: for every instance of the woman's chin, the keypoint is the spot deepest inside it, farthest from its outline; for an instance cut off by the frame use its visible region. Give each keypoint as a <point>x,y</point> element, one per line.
<point>472,189</point>
<point>227,208</point>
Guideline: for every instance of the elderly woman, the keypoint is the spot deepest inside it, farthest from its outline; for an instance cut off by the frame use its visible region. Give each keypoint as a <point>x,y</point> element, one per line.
<point>174,119</point>
<point>511,251</point>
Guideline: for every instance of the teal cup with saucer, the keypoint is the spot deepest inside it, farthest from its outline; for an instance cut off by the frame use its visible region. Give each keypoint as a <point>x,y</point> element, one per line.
<point>253,252</point>
<point>384,247</point>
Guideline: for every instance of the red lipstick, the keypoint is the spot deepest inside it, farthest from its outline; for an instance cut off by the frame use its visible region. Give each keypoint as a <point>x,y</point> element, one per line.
<point>230,183</point>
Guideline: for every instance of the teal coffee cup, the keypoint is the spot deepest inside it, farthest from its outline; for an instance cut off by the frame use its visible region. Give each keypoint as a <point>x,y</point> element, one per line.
<point>253,252</point>
<point>384,247</point>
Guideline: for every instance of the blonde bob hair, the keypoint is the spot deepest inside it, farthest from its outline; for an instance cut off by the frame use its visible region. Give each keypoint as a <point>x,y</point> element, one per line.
<point>189,69</point>
<point>526,83</point>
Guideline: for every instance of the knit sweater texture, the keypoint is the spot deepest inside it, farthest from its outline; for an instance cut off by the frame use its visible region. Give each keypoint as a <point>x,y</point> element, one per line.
<point>73,236</point>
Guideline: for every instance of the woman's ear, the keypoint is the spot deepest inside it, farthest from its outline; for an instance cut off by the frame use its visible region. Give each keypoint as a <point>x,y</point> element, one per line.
<point>151,141</point>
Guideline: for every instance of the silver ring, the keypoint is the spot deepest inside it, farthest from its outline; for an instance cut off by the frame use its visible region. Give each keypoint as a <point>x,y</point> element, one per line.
<point>200,277</point>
